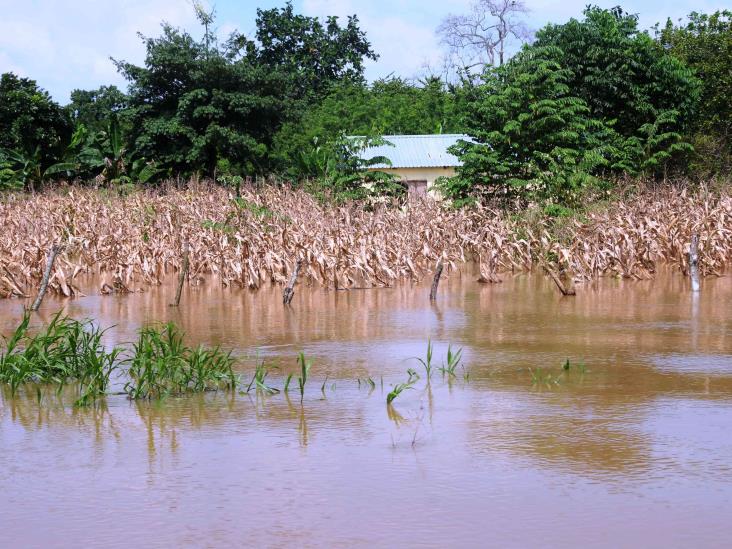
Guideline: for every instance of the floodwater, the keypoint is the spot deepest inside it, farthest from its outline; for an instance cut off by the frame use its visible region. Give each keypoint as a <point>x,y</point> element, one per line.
<point>634,448</point>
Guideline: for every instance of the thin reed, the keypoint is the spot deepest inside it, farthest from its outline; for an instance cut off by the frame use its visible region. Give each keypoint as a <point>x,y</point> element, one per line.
<point>137,239</point>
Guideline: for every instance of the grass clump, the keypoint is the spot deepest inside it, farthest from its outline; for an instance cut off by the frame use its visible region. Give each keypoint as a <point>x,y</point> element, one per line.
<point>162,365</point>
<point>64,351</point>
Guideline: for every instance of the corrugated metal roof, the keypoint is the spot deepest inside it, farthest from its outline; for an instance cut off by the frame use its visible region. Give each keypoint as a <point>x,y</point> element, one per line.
<point>417,151</point>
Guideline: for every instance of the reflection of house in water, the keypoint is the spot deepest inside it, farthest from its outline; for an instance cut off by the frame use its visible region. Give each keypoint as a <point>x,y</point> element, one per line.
<point>418,160</point>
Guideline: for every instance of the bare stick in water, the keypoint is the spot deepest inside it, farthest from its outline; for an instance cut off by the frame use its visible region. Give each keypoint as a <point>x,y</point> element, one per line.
<point>564,280</point>
<point>289,292</point>
<point>694,262</point>
<point>436,281</point>
<point>182,274</point>
<point>52,253</point>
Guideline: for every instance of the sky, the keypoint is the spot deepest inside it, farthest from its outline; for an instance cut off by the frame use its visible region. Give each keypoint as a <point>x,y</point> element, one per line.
<point>67,44</point>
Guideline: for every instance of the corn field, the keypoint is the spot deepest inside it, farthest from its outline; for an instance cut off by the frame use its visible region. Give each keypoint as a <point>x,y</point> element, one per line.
<point>135,241</point>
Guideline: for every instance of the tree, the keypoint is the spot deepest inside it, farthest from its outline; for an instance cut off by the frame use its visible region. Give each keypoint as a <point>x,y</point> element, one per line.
<point>532,138</point>
<point>587,99</point>
<point>94,108</point>
<point>388,106</point>
<point>318,54</point>
<point>620,72</point>
<point>481,38</point>
<point>704,43</point>
<point>31,123</point>
<point>195,102</point>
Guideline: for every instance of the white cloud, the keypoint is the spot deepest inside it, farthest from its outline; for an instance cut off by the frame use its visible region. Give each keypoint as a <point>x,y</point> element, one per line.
<point>65,45</point>
<point>69,47</point>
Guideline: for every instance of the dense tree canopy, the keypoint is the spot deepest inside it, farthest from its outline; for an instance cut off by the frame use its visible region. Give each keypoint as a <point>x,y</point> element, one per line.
<point>586,101</point>
<point>94,108</point>
<point>318,54</point>
<point>389,106</point>
<point>193,104</point>
<point>532,136</point>
<point>704,43</point>
<point>30,120</point>
<point>588,98</point>
<point>196,103</point>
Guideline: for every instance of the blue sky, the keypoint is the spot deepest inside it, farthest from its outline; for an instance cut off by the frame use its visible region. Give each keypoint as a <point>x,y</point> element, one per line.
<point>66,44</point>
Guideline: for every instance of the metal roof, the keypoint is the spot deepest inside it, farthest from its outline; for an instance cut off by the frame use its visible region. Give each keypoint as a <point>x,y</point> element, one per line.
<point>417,151</point>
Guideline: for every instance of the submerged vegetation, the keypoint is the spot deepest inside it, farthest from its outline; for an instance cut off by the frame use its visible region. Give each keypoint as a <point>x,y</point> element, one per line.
<point>65,351</point>
<point>137,239</point>
<point>71,352</point>
<point>162,365</point>
<point>68,352</point>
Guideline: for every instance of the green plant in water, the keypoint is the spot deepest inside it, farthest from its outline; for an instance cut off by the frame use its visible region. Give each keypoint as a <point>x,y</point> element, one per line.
<point>163,365</point>
<point>542,377</point>
<point>287,382</point>
<point>453,361</point>
<point>427,361</point>
<point>259,380</point>
<point>305,366</point>
<point>65,351</point>
<point>399,388</point>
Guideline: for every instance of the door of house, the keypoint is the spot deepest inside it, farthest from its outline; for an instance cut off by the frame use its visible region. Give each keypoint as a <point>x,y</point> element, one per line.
<point>416,189</point>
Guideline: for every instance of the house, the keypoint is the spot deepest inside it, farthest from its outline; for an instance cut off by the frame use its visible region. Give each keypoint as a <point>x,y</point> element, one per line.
<point>418,160</point>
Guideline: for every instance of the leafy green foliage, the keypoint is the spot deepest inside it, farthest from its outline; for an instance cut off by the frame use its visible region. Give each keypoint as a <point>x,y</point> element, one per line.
<point>452,361</point>
<point>305,366</point>
<point>94,108</point>
<point>31,123</point>
<point>318,54</point>
<point>65,350</point>
<point>20,170</point>
<point>704,43</point>
<point>102,154</point>
<point>532,138</point>
<point>388,106</point>
<point>399,388</point>
<point>192,104</point>
<point>196,103</point>
<point>339,170</point>
<point>162,365</point>
<point>619,71</point>
<point>587,99</point>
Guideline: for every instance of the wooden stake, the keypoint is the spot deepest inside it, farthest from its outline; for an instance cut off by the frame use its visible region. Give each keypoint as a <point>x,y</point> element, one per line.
<point>52,253</point>
<point>182,274</point>
<point>694,262</point>
<point>564,280</point>
<point>436,281</point>
<point>289,292</point>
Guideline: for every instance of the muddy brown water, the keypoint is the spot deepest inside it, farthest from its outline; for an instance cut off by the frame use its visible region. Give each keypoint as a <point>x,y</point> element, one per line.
<point>634,451</point>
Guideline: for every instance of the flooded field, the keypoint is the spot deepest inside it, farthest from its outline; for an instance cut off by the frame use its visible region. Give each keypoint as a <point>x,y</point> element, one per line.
<point>629,447</point>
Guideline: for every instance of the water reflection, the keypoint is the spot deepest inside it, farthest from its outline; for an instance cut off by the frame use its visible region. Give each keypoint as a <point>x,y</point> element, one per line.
<point>648,419</point>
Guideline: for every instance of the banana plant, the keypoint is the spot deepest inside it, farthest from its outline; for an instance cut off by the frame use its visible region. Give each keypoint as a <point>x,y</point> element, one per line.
<point>20,170</point>
<point>103,154</point>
